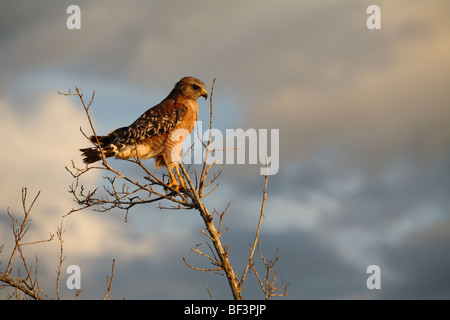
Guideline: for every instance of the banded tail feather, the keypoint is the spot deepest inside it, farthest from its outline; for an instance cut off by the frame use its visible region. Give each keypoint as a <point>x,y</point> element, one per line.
<point>93,154</point>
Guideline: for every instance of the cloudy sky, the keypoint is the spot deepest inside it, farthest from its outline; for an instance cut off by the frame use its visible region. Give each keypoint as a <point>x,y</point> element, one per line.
<point>364,140</point>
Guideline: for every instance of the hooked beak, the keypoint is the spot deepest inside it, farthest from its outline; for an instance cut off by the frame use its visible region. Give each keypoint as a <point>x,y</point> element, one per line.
<point>205,94</point>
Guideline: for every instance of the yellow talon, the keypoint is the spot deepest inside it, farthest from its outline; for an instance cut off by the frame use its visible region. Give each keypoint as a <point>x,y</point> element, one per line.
<point>174,183</point>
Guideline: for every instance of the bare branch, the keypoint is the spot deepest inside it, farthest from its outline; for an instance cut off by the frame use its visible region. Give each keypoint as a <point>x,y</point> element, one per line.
<point>209,292</point>
<point>20,231</point>
<point>201,269</point>
<point>261,215</point>
<point>59,233</point>
<point>204,168</point>
<point>109,281</point>
<point>29,284</point>
<point>268,285</point>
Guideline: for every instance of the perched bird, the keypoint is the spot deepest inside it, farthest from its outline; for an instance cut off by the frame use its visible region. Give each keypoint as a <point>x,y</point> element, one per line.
<point>158,133</point>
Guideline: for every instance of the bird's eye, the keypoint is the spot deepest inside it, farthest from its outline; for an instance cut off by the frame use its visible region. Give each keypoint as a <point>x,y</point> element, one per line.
<point>195,87</point>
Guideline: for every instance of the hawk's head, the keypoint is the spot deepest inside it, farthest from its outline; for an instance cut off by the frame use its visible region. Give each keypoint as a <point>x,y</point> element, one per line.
<point>191,88</point>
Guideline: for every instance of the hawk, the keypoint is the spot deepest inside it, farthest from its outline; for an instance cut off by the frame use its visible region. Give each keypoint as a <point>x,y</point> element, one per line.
<point>158,133</point>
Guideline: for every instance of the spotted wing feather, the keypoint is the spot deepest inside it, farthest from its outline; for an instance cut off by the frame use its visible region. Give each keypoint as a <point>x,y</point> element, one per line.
<point>155,121</point>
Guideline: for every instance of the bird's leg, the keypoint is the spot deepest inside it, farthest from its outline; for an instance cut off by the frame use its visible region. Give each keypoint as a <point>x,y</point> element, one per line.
<point>180,177</point>
<point>173,181</point>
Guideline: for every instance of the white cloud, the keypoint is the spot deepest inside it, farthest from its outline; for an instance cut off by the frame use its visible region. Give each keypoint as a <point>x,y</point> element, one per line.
<point>306,214</point>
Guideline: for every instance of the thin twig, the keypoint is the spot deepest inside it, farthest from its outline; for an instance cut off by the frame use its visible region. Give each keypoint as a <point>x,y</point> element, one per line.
<point>204,173</point>
<point>109,281</point>
<point>59,233</point>
<point>255,241</point>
